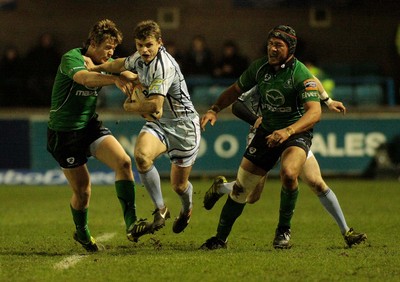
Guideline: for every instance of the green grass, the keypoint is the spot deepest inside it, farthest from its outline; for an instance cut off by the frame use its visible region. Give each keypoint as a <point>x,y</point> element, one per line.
<point>36,238</point>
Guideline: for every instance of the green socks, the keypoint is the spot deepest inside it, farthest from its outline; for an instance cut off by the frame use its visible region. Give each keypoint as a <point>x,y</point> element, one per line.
<point>81,223</point>
<point>287,205</point>
<point>126,196</point>
<point>230,212</point>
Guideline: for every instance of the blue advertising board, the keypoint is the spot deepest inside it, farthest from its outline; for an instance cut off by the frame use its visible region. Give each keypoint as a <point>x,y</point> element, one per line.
<point>343,145</point>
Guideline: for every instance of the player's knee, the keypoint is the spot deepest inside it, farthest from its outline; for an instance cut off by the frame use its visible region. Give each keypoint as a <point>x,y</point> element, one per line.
<point>289,176</point>
<point>180,187</point>
<point>125,163</point>
<point>252,198</point>
<point>245,183</point>
<point>83,196</point>
<point>143,163</point>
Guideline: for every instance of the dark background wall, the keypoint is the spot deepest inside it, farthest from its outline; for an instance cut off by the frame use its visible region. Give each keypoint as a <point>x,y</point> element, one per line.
<point>359,31</point>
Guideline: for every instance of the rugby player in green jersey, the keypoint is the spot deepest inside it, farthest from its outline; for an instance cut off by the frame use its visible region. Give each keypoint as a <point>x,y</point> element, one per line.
<point>247,108</point>
<point>290,107</point>
<point>75,133</point>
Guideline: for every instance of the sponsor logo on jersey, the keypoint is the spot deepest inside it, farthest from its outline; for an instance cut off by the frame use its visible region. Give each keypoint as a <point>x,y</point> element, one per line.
<point>156,85</point>
<point>275,97</point>
<point>288,84</point>
<point>310,85</point>
<point>86,93</point>
<point>267,77</point>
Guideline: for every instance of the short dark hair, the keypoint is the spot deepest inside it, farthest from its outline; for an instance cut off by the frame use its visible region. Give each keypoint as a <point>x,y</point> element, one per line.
<point>147,28</point>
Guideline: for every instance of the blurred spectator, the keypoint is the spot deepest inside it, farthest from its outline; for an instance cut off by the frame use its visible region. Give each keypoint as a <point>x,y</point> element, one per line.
<point>397,69</point>
<point>199,58</point>
<point>41,63</point>
<point>11,80</point>
<point>232,64</point>
<point>173,50</point>
<point>327,82</point>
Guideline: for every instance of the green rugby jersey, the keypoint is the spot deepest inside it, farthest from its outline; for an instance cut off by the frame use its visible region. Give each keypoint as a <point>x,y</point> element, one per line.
<point>72,104</point>
<point>283,93</point>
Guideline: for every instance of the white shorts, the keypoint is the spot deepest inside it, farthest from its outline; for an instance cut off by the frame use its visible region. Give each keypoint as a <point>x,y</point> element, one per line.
<point>181,136</point>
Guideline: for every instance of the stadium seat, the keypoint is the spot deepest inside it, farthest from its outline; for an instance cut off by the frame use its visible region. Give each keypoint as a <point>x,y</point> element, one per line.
<point>206,95</point>
<point>369,95</point>
<point>344,94</point>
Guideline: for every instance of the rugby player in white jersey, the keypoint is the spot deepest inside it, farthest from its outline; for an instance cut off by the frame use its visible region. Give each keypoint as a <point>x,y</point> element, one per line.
<point>175,129</point>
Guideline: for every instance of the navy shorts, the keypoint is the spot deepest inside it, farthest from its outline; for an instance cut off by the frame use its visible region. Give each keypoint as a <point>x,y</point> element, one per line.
<point>266,157</point>
<point>71,148</point>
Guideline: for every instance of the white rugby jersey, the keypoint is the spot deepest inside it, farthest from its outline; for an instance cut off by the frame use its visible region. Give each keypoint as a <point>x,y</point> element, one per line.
<point>164,77</point>
<point>251,99</point>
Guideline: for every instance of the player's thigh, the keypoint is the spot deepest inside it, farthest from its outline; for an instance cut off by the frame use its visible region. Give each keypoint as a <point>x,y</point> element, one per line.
<point>109,151</point>
<point>251,167</point>
<point>292,161</point>
<point>148,146</point>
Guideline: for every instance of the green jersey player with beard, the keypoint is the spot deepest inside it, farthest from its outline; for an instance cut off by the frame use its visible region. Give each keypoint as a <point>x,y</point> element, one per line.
<point>290,107</point>
<point>75,133</point>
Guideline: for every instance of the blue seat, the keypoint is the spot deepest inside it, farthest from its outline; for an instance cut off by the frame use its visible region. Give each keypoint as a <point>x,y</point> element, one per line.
<point>206,95</point>
<point>344,94</point>
<point>369,95</point>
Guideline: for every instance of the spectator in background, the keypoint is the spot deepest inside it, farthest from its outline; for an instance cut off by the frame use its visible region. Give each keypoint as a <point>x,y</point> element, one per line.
<point>199,58</point>
<point>173,50</point>
<point>397,69</point>
<point>327,82</point>
<point>41,62</point>
<point>232,64</point>
<point>11,80</point>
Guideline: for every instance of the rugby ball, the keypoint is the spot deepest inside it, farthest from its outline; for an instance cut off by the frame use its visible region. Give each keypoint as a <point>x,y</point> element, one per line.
<point>139,95</point>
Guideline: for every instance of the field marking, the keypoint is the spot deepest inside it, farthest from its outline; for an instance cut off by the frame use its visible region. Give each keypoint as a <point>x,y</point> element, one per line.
<point>70,261</point>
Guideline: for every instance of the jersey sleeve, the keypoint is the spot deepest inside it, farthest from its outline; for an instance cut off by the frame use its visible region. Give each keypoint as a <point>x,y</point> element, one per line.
<point>248,79</point>
<point>130,62</point>
<point>71,63</point>
<point>306,84</point>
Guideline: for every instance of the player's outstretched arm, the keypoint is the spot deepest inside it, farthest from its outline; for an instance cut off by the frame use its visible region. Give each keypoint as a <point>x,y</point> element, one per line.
<point>333,105</point>
<point>227,97</point>
<point>336,106</point>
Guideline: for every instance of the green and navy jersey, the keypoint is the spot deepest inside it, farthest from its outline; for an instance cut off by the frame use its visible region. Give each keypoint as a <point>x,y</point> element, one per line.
<point>72,104</point>
<point>282,92</point>
<point>162,76</point>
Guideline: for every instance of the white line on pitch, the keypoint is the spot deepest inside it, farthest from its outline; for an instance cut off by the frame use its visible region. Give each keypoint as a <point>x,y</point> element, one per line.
<point>74,259</point>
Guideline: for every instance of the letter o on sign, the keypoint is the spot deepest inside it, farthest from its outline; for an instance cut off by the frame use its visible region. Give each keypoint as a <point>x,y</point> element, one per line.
<point>223,150</point>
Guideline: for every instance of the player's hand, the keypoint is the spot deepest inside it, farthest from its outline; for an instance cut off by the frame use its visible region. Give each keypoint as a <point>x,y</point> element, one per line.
<point>209,116</point>
<point>88,63</point>
<point>124,85</point>
<point>277,137</point>
<point>337,106</point>
<point>258,122</point>
<point>130,76</point>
